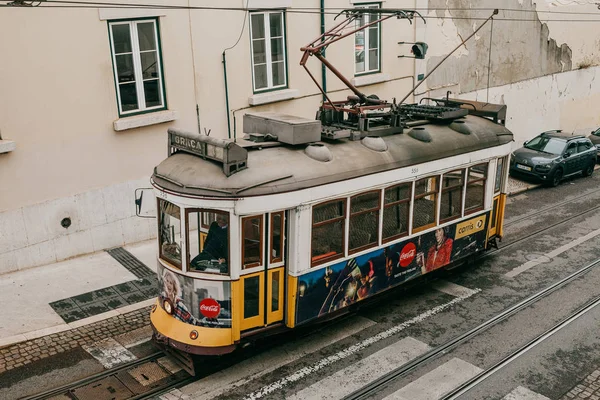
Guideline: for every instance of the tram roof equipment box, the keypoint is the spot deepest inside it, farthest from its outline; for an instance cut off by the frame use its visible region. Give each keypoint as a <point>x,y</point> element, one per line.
<point>287,128</point>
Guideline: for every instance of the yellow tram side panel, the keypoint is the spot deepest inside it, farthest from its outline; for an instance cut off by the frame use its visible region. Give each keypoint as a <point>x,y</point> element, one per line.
<point>180,331</point>
<point>292,289</point>
<point>500,222</point>
<point>236,309</point>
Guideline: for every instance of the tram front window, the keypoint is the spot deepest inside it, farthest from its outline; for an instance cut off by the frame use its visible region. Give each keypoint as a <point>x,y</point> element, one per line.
<point>170,232</point>
<point>208,236</point>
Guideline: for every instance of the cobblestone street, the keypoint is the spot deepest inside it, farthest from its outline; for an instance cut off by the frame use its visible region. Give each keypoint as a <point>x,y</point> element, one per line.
<point>20,354</point>
<point>588,389</point>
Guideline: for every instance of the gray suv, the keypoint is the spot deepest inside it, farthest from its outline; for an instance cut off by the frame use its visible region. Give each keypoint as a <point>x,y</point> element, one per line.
<point>553,156</point>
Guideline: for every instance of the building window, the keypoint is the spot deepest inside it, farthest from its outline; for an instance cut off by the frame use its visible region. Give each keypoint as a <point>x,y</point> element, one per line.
<point>395,211</point>
<point>367,54</point>
<point>474,199</point>
<point>328,227</point>
<point>267,34</point>
<point>426,192</point>
<point>364,221</point>
<point>452,190</point>
<point>137,65</point>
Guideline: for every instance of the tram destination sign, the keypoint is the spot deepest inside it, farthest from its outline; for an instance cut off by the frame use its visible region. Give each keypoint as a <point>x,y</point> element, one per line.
<point>188,144</point>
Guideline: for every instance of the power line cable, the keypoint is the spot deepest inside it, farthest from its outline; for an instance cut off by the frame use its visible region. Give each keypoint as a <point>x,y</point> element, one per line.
<point>306,10</point>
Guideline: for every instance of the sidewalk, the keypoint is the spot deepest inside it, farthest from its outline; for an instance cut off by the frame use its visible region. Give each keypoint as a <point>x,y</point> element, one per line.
<point>74,293</point>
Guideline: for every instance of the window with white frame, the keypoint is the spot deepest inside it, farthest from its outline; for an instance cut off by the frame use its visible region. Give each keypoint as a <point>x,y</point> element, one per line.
<point>367,44</point>
<point>267,34</point>
<point>137,65</point>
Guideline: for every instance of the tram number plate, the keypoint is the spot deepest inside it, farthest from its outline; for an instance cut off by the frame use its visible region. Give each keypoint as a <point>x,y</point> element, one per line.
<point>524,167</point>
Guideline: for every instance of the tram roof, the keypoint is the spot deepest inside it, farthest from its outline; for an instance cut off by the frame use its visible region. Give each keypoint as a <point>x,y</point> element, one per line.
<point>288,168</point>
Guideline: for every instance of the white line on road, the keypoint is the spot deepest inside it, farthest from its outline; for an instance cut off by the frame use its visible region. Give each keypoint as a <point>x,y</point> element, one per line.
<point>435,383</point>
<point>109,352</point>
<point>554,253</point>
<point>354,349</point>
<point>452,288</point>
<point>522,393</point>
<point>356,375</point>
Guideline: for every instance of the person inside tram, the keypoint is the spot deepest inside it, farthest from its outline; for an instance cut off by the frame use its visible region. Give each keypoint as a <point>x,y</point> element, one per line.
<point>215,245</point>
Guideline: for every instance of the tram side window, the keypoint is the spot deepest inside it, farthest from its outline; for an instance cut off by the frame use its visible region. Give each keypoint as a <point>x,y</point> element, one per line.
<point>424,214</point>
<point>277,226</point>
<point>208,241</point>
<point>364,221</point>
<point>328,224</point>
<point>169,232</point>
<point>252,233</point>
<point>475,195</point>
<point>395,211</point>
<point>452,190</point>
<point>499,175</point>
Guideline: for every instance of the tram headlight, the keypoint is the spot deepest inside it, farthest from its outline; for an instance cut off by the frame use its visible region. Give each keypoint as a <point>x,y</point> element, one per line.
<point>168,306</point>
<point>194,335</point>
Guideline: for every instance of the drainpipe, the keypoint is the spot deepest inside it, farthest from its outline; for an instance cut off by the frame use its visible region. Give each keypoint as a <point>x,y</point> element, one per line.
<point>323,69</point>
<point>226,96</point>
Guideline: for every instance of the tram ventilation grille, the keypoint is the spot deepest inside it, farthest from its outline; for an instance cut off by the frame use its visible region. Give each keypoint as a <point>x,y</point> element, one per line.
<point>431,112</point>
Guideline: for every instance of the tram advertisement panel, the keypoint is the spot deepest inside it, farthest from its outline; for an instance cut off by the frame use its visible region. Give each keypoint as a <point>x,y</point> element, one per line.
<point>339,285</point>
<point>196,302</point>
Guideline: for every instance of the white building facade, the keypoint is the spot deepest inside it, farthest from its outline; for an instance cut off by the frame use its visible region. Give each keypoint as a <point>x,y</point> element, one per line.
<point>87,93</point>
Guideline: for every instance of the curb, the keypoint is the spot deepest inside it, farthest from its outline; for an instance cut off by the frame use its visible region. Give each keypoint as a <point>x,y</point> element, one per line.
<point>24,337</point>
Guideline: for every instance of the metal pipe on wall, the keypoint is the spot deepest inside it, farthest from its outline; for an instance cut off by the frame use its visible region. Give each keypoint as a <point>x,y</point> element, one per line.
<point>323,68</point>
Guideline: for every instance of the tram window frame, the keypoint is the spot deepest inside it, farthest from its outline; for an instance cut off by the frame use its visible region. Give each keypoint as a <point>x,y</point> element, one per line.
<point>321,259</point>
<point>201,225</point>
<point>407,200</point>
<point>501,163</point>
<point>260,241</point>
<point>273,259</point>
<point>377,209</point>
<point>161,254</point>
<point>450,189</point>
<point>472,182</point>
<point>416,197</point>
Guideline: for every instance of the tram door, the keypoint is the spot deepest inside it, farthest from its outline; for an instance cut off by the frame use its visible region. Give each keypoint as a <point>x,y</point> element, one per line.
<point>499,199</point>
<point>263,269</point>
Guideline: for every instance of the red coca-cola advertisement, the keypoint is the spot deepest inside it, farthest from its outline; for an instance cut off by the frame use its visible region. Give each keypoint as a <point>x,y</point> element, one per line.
<point>210,308</point>
<point>407,255</point>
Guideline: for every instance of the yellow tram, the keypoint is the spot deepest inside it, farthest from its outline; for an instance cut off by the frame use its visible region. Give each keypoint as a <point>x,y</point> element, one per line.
<point>292,224</point>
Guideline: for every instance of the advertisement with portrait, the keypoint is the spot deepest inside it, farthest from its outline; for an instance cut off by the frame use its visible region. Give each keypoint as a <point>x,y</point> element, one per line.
<point>339,285</point>
<point>196,302</point>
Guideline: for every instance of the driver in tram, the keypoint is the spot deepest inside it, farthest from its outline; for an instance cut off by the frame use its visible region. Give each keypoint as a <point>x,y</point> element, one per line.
<point>215,245</point>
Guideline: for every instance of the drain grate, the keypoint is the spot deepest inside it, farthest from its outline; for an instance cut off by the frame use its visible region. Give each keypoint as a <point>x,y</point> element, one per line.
<point>130,262</point>
<point>109,388</point>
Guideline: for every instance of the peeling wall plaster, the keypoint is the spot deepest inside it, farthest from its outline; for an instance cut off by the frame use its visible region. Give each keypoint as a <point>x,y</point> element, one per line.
<point>521,50</point>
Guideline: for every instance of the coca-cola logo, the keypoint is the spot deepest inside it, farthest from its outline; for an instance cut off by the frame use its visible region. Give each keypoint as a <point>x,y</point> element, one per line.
<point>210,308</point>
<point>407,254</point>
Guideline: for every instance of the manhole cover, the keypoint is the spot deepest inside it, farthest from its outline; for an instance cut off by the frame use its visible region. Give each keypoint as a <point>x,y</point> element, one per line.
<point>148,373</point>
<point>109,388</point>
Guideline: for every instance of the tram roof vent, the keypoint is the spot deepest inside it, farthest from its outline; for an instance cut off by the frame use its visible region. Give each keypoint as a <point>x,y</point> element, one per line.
<point>374,143</point>
<point>421,134</point>
<point>233,157</point>
<point>287,129</point>
<point>460,127</point>
<point>319,152</point>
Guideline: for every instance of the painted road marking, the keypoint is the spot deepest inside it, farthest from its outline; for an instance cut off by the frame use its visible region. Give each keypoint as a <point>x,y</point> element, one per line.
<point>522,393</point>
<point>356,375</point>
<point>434,384</point>
<point>109,352</point>
<point>552,254</point>
<point>353,349</point>
<point>452,288</point>
<point>226,380</point>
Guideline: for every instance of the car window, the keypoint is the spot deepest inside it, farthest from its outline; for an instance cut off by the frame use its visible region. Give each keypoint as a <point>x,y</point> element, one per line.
<point>546,144</point>
<point>582,146</point>
<point>597,133</point>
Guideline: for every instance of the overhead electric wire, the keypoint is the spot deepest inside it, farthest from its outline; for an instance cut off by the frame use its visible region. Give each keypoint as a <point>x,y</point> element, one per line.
<point>298,10</point>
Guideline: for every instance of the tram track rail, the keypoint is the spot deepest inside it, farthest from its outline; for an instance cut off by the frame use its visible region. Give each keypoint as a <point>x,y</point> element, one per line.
<point>377,385</point>
<point>69,390</point>
<point>551,207</point>
<point>473,382</point>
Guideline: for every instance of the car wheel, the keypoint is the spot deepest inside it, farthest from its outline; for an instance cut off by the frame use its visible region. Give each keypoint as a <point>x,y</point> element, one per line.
<point>556,178</point>
<point>589,170</point>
